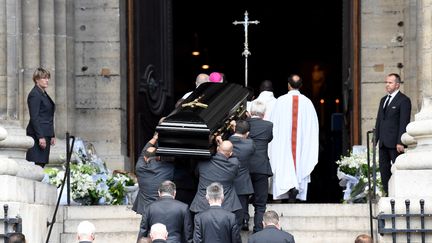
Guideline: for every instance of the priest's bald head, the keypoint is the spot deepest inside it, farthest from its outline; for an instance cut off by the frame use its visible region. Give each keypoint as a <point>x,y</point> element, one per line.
<point>225,148</point>
<point>294,82</point>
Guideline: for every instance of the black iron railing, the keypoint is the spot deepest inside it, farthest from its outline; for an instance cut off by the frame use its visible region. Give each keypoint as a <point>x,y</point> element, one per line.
<point>409,217</point>
<point>371,176</point>
<point>66,180</point>
<point>10,223</point>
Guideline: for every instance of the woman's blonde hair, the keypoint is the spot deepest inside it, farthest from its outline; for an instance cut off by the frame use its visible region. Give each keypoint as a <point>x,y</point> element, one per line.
<point>41,73</point>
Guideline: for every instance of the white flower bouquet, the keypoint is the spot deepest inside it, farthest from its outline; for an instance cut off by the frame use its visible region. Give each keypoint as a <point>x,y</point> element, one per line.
<point>91,182</point>
<point>353,175</point>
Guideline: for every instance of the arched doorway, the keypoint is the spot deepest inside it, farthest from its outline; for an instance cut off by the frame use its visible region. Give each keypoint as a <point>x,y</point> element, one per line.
<point>315,39</point>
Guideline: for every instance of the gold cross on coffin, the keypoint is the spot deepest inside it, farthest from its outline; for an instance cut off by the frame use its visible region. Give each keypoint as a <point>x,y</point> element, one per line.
<point>196,102</point>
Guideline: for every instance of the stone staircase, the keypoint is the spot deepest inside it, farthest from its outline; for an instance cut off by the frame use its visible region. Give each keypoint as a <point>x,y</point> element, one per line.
<point>309,223</point>
<point>113,223</point>
<point>323,223</point>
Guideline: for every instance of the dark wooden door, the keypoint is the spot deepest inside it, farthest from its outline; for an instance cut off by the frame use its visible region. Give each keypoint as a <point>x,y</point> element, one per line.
<point>153,79</point>
<point>351,73</point>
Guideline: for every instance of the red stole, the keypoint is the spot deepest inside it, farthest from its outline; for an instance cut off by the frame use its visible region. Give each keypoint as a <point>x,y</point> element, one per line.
<point>294,128</point>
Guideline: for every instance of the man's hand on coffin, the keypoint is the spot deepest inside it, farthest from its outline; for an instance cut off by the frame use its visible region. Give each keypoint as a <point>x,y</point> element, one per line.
<point>150,153</point>
<point>154,139</point>
<point>219,140</point>
<point>232,126</point>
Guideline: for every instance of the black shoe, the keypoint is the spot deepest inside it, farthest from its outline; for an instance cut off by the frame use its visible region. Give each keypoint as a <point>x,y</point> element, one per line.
<point>245,226</point>
<point>292,195</point>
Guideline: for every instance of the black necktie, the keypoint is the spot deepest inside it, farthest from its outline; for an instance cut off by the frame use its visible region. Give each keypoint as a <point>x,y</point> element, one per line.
<point>386,103</point>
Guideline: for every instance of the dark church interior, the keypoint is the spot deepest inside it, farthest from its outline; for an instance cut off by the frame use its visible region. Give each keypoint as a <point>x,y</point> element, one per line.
<point>302,37</point>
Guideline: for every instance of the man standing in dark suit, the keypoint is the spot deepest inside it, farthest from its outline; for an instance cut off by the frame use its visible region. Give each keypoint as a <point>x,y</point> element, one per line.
<point>151,171</point>
<point>393,116</point>
<point>215,224</point>
<point>41,125</point>
<point>261,132</point>
<point>173,214</point>
<point>243,149</point>
<point>272,232</point>
<point>222,168</point>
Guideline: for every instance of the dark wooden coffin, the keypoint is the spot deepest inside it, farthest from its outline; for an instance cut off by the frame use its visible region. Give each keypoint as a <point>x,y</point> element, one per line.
<point>190,130</point>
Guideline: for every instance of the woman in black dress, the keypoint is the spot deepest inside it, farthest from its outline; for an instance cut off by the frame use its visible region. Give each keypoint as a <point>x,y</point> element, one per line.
<point>41,125</point>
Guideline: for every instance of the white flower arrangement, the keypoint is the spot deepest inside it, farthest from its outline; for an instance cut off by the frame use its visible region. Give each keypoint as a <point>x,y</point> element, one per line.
<point>353,175</point>
<point>91,182</point>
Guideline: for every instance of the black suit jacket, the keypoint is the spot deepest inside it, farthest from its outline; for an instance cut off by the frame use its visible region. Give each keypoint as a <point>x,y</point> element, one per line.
<point>261,132</point>
<point>271,234</point>
<point>41,108</point>
<point>150,175</point>
<point>391,124</point>
<point>173,214</point>
<point>243,150</point>
<point>222,170</point>
<point>216,225</point>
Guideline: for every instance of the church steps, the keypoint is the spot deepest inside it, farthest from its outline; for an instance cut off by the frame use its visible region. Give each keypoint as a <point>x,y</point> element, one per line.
<point>106,237</point>
<point>309,223</point>
<point>324,223</point>
<point>326,236</point>
<point>106,225</point>
<point>326,209</point>
<point>318,236</point>
<point>100,212</point>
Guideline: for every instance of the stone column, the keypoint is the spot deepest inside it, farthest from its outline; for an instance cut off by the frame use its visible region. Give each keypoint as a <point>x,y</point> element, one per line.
<point>15,146</point>
<point>21,189</point>
<point>14,61</point>
<point>3,56</point>
<point>20,180</point>
<point>30,45</point>
<point>47,42</point>
<point>412,172</point>
<point>424,49</point>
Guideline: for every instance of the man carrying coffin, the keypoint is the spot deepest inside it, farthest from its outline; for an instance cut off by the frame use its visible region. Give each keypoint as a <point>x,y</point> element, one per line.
<point>294,149</point>
<point>221,168</point>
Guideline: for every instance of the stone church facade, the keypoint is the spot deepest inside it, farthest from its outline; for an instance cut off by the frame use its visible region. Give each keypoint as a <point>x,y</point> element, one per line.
<point>84,46</point>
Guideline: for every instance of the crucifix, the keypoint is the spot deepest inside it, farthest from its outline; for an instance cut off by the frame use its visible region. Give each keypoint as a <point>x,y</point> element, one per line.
<point>246,51</point>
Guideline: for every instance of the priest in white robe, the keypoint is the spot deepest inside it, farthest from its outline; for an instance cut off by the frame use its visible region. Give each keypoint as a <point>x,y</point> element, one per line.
<point>294,149</point>
<point>266,96</point>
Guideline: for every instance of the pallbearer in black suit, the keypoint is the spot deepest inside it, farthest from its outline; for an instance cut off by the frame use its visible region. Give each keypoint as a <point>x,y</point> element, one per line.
<point>243,149</point>
<point>261,132</point>
<point>394,114</point>
<point>41,125</point>
<point>215,224</point>
<point>151,171</point>
<point>272,232</point>
<point>173,214</point>
<point>222,168</point>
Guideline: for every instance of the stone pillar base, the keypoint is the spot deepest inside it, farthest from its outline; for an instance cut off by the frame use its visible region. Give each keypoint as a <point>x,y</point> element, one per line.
<point>32,200</point>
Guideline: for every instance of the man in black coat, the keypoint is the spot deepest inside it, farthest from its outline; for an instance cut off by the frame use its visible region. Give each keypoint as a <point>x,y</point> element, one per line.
<point>215,224</point>
<point>243,148</point>
<point>394,114</point>
<point>173,214</point>
<point>272,232</point>
<point>261,132</point>
<point>151,172</point>
<point>221,168</point>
